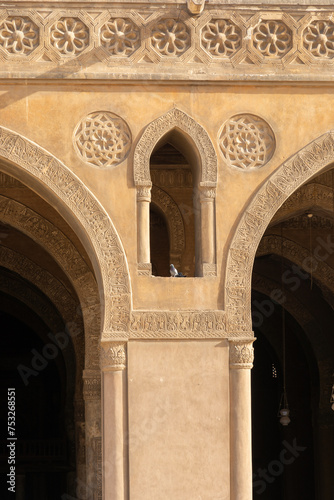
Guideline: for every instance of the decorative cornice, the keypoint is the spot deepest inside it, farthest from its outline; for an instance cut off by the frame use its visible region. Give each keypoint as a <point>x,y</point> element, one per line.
<point>241,353</point>
<point>223,41</point>
<point>113,356</point>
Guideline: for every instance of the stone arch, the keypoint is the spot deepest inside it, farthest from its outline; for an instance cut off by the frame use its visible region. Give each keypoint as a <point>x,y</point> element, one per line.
<point>174,119</point>
<point>298,169</point>
<point>174,221</point>
<point>27,160</point>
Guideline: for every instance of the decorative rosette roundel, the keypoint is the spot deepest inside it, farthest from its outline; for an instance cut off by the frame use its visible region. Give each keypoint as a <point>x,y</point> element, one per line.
<point>102,139</point>
<point>246,141</point>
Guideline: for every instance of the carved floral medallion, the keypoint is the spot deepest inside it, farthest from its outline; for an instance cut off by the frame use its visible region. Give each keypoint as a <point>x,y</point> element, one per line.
<point>221,38</point>
<point>121,37</point>
<point>69,36</point>
<point>170,37</point>
<point>19,35</point>
<point>247,142</point>
<point>272,38</point>
<point>102,139</point>
<point>318,39</point>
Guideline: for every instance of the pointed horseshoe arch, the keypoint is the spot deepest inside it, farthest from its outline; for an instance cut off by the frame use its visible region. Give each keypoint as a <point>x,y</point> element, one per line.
<point>79,205</point>
<point>297,170</point>
<point>174,119</point>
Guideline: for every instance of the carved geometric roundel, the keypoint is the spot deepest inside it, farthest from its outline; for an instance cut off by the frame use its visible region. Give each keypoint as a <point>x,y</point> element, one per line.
<point>246,141</point>
<point>102,139</point>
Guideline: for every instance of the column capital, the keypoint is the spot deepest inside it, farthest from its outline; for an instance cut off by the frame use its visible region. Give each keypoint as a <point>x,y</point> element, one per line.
<point>144,192</point>
<point>207,193</point>
<point>241,353</point>
<point>113,356</point>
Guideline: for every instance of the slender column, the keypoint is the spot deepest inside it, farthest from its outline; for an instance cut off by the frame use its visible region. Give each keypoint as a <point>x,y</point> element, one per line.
<point>143,225</point>
<point>241,362</point>
<point>114,421</point>
<point>207,199</point>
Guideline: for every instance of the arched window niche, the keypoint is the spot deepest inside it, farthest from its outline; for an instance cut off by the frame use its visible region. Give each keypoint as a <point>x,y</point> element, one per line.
<point>175,169</point>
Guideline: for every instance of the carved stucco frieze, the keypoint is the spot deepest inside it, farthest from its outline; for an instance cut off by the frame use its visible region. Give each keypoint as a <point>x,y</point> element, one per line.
<point>275,191</point>
<point>246,141</point>
<point>113,356</point>
<point>157,129</point>
<point>227,40</point>
<point>241,354</point>
<point>178,324</point>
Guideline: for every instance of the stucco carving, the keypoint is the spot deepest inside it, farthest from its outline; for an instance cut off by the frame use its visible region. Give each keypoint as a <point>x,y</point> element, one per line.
<point>280,185</point>
<point>157,129</point>
<point>318,38</point>
<point>69,35</point>
<point>102,139</point>
<point>272,38</point>
<point>241,354</point>
<point>19,35</point>
<point>247,142</point>
<point>218,43</point>
<point>121,37</point>
<point>178,324</point>
<point>170,37</point>
<point>221,38</point>
<point>174,221</point>
<point>113,356</point>
<point>80,202</point>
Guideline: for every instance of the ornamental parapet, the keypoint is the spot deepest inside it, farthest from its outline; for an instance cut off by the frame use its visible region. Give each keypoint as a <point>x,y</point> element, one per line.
<point>129,42</point>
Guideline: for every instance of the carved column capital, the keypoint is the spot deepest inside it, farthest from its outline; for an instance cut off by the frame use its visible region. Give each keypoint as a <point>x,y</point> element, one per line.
<point>207,193</point>
<point>144,192</point>
<point>91,385</point>
<point>113,356</point>
<point>241,353</point>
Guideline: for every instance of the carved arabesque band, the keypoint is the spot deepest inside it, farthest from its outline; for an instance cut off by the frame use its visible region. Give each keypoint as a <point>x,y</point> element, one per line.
<point>269,198</point>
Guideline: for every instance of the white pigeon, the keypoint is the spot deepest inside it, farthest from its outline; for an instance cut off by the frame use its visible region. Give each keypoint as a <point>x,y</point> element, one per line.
<point>173,271</point>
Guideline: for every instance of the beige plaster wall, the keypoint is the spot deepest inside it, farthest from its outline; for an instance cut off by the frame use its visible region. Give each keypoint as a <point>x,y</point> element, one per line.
<point>49,113</point>
<point>178,420</point>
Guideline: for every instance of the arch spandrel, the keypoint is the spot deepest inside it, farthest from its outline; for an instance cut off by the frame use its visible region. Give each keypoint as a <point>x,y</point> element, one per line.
<point>297,170</point>
<point>79,206</point>
<point>174,119</point>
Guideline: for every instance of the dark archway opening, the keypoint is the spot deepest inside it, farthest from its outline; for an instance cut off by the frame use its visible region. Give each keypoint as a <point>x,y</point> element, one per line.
<point>32,364</point>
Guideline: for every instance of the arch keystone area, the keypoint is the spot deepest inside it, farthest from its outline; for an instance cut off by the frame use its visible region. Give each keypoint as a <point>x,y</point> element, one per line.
<point>78,203</point>
<point>297,170</point>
